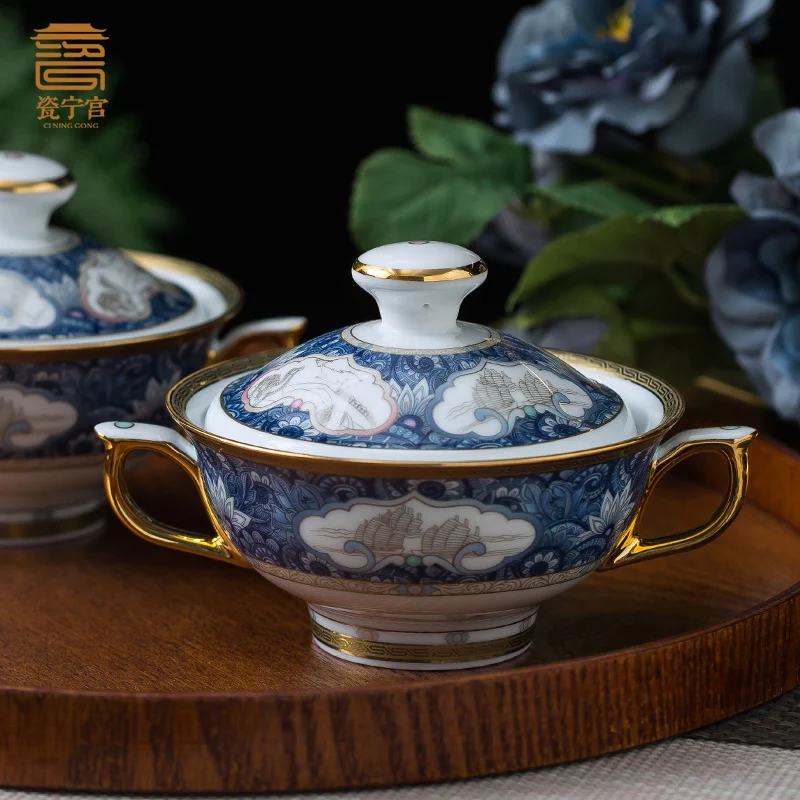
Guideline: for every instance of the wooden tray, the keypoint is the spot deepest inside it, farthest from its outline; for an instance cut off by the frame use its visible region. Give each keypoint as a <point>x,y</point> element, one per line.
<point>133,668</point>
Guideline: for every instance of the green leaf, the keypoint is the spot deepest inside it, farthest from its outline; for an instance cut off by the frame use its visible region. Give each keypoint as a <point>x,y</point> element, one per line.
<point>697,230</point>
<point>599,198</point>
<point>559,302</point>
<point>466,173</point>
<point>582,300</point>
<point>465,142</point>
<point>681,358</point>
<point>719,215</point>
<point>673,216</point>
<point>570,220</point>
<point>673,241</point>
<point>612,252</point>
<point>644,330</point>
<point>617,345</point>
<point>702,232</point>
<point>655,298</point>
<point>399,196</point>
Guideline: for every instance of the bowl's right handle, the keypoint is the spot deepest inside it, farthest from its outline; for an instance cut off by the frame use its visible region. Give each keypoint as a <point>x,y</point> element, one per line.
<point>731,443</point>
<point>123,438</point>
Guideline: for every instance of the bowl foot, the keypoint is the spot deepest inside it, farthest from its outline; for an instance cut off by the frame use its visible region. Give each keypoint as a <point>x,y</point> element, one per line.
<point>411,644</point>
<point>52,525</point>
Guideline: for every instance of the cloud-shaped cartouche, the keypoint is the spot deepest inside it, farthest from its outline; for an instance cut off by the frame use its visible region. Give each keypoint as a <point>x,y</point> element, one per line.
<point>340,397</point>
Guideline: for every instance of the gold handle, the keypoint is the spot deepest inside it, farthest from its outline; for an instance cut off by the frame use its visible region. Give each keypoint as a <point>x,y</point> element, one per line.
<point>732,443</point>
<point>280,333</point>
<point>122,439</point>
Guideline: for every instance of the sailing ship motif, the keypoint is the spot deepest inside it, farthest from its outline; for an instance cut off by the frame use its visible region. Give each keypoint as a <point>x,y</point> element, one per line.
<point>400,530</point>
<point>487,401</point>
<point>367,536</point>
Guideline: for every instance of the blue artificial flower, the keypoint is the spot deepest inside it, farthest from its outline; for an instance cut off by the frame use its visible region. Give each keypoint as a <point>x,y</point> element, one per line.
<point>677,66</point>
<point>753,275</point>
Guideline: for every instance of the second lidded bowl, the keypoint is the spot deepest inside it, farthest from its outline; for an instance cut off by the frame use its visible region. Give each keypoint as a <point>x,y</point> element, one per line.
<point>89,332</point>
<point>423,484</point>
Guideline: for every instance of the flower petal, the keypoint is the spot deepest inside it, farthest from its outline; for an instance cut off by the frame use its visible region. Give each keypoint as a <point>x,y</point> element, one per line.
<point>629,112</point>
<point>536,35</point>
<point>745,17</point>
<point>778,138</point>
<point>756,193</point>
<point>718,110</point>
<point>736,279</point>
<point>572,132</point>
<point>780,362</point>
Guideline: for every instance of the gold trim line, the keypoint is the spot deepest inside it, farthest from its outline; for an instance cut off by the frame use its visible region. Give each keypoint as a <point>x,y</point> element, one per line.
<point>421,653</point>
<point>427,275</point>
<point>36,187</point>
<point>42,528</point>
<point>421,590</point>
<point>60,350</point>
<point>337,464</point>
<point>349,336</point>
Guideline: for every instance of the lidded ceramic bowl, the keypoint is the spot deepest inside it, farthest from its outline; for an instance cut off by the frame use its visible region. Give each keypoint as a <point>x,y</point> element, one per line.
<point>87,331</point>
<point>418,383</point>
<point>423,483</point>
<point>55,284</point>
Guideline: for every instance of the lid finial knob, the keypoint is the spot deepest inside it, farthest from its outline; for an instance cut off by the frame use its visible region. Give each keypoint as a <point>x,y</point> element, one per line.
<point>32,187</point>
<point>419,286</point>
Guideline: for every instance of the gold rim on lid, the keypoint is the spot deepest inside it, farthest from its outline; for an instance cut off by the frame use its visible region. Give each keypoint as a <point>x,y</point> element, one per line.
<point>31,187</point>
<point>428,275</point>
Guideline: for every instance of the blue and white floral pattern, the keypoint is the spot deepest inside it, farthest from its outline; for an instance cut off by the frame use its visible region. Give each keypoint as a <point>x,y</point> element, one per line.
<point>459,399</point>
<point>84,290</point>
<point>424,531</point>
<point>50,409</point>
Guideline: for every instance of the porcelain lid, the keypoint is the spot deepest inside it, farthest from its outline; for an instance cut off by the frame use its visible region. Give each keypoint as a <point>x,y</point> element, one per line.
<point>55,284</point>
<point>418,379</point>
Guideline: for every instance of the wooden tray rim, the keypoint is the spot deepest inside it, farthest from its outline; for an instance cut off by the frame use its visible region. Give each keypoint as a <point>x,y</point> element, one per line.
<point>269,759</point>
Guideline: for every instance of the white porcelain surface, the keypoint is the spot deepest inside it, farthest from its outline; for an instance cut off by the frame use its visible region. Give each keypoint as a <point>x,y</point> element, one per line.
<point>209,303</point>
<point>431,556</point>
<point>419,314</point>
<point>57,284</point>
<point>420,254</point>
<point>361,538</point>
<point>25,217</point>
<point>28,168</point>
<point>640,405</point>
<point>418,380</point>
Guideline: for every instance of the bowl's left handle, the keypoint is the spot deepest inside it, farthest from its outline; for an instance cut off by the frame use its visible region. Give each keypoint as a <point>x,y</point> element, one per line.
<point>123,438</point>
<point>732,444</point>
<point>275,333</point>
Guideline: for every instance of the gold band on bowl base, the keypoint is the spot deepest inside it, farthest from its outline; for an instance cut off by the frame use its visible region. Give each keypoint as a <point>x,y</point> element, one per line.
<point>51,528</point>
<point>455,653</point>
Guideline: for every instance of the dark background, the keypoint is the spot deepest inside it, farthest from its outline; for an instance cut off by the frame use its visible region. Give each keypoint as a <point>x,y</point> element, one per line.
<point>257,115</point>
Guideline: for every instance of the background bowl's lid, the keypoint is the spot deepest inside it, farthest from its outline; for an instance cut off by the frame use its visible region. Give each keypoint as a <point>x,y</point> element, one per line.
<point>418,378</point>
<point>53,283</point>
